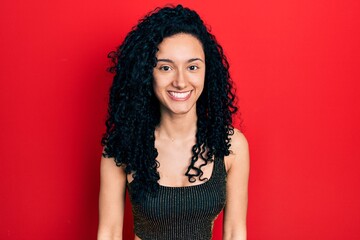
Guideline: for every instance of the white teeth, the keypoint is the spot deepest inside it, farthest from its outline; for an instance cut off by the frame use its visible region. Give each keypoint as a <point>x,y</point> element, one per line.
<point>180,95</point>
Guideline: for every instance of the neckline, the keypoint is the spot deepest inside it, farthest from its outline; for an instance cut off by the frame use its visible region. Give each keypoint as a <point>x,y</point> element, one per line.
<point>191,186</point>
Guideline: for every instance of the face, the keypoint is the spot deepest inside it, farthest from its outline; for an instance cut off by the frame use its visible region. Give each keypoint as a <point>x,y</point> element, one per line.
<point>179,75</point>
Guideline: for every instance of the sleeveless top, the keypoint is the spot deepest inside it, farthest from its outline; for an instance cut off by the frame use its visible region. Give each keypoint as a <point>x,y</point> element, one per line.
<point>182,212</point>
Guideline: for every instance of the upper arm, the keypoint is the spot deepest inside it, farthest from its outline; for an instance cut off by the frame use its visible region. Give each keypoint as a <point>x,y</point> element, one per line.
<point>111,199</point>
<point>237,188</point>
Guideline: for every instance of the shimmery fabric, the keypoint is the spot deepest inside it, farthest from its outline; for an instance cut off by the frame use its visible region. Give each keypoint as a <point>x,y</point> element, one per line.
<point>182,212</point>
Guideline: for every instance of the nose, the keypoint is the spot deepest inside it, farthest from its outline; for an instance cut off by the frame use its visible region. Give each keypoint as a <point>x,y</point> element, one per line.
<point>180,81</point>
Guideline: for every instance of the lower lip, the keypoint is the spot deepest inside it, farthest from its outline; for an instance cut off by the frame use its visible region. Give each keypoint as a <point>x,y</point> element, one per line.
<point>180,99</point>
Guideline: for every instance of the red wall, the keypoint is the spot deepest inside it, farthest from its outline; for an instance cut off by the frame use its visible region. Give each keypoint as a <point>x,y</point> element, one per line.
<point>296,66</point>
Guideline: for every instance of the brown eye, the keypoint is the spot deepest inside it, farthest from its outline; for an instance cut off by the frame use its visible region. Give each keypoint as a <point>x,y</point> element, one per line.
<point>193,68</point>
<point>165,68</point>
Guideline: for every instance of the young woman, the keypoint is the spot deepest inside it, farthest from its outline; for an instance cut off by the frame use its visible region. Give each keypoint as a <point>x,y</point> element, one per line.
<point>169,138</point>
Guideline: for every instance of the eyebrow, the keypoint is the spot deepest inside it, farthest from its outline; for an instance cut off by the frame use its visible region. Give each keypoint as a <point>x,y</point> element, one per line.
<point>171,61</point>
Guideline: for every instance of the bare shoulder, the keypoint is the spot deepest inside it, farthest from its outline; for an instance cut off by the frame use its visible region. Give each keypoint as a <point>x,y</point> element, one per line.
<point>238,142</point>
<point>110,173</point>
<point>239,150</point>
<point>109,165</point>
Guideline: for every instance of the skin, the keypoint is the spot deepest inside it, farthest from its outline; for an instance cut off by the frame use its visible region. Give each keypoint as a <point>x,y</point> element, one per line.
<point>180,68</point>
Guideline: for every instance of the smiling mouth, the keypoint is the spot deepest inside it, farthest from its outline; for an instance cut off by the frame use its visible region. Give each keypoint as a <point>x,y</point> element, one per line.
<point>179,96</point>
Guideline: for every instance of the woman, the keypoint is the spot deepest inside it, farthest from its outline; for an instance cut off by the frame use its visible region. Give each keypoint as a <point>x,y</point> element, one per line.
<point>169,136</point>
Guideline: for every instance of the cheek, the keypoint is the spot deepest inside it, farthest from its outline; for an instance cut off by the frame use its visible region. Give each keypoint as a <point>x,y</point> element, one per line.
<point>157,85</point>
<point>156,82</point>
<point>161,82</point>
<point>200,81</point>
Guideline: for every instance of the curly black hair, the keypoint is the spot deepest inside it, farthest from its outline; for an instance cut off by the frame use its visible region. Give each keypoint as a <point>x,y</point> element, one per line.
<point>134,112</point>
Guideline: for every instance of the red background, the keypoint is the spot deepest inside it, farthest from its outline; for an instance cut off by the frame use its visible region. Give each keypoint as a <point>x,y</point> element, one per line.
<point>296,67</point>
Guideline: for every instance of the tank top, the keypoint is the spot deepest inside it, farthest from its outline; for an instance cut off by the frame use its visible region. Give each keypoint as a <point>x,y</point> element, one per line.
<point>182,212</point>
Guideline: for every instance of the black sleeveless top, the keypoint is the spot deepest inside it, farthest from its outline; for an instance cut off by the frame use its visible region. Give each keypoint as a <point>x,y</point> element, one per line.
<point>182,212</point>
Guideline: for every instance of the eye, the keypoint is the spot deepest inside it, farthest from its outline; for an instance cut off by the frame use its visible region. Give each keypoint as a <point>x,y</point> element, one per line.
<point>193,68</point>
<point>165,68</point>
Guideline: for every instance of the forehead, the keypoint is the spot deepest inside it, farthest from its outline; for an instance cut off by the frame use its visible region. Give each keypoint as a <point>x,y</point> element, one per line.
<point>180,47</point>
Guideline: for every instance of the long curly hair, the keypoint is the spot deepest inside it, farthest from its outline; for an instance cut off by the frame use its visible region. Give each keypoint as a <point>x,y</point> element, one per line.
<point>134,112</point>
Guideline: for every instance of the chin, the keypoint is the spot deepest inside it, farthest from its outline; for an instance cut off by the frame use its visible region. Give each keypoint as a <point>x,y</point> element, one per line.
<point>179,110</point>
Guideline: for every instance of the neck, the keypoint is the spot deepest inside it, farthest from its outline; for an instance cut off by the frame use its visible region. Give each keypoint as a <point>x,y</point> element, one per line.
<point>177,126</point>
